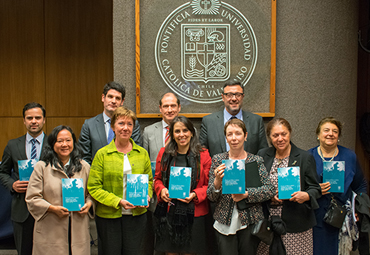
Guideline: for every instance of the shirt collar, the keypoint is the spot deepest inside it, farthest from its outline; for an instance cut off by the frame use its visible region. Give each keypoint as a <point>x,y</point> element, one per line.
<point>105,117</point>
<point>39,138</point>
<point>227,115</point>
<point>164,124</point>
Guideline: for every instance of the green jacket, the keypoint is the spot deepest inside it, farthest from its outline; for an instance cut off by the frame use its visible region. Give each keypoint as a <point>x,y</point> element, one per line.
<point>105,182</point>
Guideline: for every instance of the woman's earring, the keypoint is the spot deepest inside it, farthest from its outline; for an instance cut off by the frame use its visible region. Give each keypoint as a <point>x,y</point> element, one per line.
<point>317,138</point>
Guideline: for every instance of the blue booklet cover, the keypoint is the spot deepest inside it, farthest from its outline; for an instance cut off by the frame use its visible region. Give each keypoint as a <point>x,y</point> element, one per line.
<point>73,194</point>
<point>334,173</point>
<point>288,181</point>
<point>180,179</point>
<point>233,181</point>
<point>152,164</point>
<point>137,189</point>
<point>25,168</point>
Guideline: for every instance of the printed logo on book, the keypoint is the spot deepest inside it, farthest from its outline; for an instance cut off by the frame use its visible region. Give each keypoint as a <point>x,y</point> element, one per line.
<point>193,49</point>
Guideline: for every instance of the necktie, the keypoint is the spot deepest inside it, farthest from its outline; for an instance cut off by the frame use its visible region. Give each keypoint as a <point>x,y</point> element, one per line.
<point>167,136</point>
<point>33,149</point>
<point>110,133</point>
<point>233,117</point>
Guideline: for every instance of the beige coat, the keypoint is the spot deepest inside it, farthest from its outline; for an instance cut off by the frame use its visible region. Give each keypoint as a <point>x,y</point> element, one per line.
<point>51,232</point>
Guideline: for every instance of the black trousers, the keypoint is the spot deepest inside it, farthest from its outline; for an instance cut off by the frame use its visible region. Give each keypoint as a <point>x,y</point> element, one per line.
<point>242,243</point>
<point>23,235</point>
<point>123,235</point>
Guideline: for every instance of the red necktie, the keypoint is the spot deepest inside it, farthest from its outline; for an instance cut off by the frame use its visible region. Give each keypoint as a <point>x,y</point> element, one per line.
<point>167,136</point>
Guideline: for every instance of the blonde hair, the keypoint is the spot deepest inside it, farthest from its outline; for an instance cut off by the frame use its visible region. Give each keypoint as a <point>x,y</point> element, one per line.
<point>122,111</point>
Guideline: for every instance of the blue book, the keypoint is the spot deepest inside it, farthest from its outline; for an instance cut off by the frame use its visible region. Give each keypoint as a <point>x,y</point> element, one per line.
<point>73,194</point>
<point>334,173</point>
<point>289,181</point>
<point>233,181</point>
<point>137,189</point>
<point>25,168</point>
<point>152,164</point>
<point>180,179</point>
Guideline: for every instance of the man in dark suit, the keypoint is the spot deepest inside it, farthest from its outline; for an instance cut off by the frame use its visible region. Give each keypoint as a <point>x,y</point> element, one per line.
<point>28,146</point>
<point>212,128</point>
<point>96,132</point>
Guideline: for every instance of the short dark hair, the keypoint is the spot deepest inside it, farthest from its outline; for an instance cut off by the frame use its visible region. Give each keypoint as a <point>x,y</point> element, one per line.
<point>232,83</point>
<point>31,106</point>
<point>274,122</point>
<point>236,122</point>
<point>331,120</point>
<point>49,156</point>
<point>116,86</point>
<point>160,100</point>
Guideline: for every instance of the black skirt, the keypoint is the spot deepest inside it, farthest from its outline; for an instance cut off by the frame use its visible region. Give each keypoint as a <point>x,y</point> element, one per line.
<point>197,243</point>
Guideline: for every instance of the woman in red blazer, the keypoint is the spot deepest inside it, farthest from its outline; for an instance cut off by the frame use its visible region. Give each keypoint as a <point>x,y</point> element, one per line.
<point>180,226</point>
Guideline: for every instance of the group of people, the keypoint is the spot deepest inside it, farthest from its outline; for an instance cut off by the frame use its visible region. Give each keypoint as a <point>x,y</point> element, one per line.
<point>109,148</point>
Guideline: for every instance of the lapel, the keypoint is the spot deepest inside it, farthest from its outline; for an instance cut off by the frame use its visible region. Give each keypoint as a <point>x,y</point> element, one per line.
<point>269,158</point>
<point>99,125</point>
<point>294,157</point>
<point>21,147</point>
<point>246,122</point>
<point>158,134</point>
<point>295,160</point>
<point>220,129</point>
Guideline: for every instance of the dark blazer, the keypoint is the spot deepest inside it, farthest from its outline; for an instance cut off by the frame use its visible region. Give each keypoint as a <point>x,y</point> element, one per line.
<point>15,150</point>
<point>213,138</point>
<point>93,137</point>
<point>298,217</point>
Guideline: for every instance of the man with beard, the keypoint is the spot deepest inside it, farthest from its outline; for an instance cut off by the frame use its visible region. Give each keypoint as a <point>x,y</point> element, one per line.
<point>28,146</point>
<point>212,128</point>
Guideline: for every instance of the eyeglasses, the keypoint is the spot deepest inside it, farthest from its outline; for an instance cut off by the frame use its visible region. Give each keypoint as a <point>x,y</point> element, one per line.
<point>230,95</point>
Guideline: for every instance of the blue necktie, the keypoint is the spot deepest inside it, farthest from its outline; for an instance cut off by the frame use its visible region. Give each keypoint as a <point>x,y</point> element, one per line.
<point>110,133</point>
<point>233,117</point>
<point>33,149</point>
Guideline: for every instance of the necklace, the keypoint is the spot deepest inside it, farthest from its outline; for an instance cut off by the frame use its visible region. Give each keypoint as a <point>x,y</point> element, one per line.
<point>322,157</point>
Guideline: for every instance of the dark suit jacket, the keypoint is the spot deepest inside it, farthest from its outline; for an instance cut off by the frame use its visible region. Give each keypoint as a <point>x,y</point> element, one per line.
<point>298,217</point>
<point>213,138</point>
<point>14,151</point>
<point>93,137</point>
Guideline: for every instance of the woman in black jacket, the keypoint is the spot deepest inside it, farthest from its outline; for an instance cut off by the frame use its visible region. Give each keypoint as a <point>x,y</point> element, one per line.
<point>298,211</point>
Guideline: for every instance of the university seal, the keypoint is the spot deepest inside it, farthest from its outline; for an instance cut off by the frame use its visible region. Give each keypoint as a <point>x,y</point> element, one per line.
<point>200,45</point>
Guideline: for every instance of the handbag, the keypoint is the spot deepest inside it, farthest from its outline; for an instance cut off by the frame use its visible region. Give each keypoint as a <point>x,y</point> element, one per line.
<point>336,213</point>
<point>262,229</point>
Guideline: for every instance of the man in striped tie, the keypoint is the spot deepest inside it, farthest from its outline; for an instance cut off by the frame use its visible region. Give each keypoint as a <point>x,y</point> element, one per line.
<point>155,137</point>
<point>28,146</point>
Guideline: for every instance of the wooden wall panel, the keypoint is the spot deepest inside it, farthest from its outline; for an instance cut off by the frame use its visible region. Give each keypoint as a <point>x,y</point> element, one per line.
<point>21,55</point>
<point>57,53</point>
<point>78,55</point>
<point>74,123</point>
<point>13,128</point>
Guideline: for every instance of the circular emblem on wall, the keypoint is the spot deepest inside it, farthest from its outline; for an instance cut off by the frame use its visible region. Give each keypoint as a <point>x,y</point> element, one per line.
<point>202,44</point>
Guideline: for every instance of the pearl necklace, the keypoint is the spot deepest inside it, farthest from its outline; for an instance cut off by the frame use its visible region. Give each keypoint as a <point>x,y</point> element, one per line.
<point>321,155</point>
